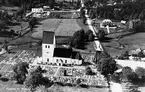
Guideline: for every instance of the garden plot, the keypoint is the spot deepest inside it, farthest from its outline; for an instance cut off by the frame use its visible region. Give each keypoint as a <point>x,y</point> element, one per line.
<point>61,27</point>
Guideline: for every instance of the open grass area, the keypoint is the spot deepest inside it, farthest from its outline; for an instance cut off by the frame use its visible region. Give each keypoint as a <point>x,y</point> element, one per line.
<point>129,42</point>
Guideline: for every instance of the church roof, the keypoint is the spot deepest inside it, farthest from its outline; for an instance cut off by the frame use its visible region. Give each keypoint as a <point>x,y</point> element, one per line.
<point>66,53</point>
<point>48,37</point>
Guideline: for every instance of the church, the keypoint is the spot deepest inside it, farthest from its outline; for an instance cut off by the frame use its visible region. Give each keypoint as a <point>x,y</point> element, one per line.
<point>52,55</point>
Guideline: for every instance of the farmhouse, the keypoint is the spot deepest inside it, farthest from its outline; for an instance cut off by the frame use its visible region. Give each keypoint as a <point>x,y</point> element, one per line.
<point>67,0</point>
<point>57,56</point>
<point>37,10</point>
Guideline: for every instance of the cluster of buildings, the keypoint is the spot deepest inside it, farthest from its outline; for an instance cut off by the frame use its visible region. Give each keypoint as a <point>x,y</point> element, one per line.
<point>63,64</point>
<point>57,56</point>
<point>137,55</point>
<point>39,12</point>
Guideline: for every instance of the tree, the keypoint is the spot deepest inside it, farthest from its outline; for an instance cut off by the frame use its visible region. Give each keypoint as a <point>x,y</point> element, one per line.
<point>33,21</point>
<point>82,12</point>
<point>142,15</point>
<point>141,54</point>
<point>107,66</point>
<point>132,14</point>
<point>20,71</point>
<point>124,55</point>
<point>89,71</point>
<point>136,15</point>
<point>140,71</point>
<point>101,34</point>
<point>99,55</point>
<point>92,13</point>
<point>89,36</point>
<point>35,79</point>
<point>139,26</point>
<point>128,74</point>
<point>20,12</point>
<point>51,3</point>
<point>77,39</point>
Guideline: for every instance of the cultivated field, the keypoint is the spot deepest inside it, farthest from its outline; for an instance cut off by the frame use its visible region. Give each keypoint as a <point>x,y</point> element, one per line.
<point>61,27</point>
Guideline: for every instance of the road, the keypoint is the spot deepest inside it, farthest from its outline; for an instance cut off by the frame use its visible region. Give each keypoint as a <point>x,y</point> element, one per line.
<point>115,87</point>
<point>97,45</point>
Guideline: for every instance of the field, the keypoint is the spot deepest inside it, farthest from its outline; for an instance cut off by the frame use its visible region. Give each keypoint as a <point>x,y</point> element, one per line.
<point>130,42</point>
<point>61,27</point>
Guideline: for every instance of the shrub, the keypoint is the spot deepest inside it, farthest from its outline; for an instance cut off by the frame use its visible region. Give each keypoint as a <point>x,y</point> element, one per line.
<point>35,79</point>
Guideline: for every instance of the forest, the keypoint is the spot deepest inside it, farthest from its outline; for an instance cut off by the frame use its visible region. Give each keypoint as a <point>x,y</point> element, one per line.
<point>126,11</point>
<point>27,3</point>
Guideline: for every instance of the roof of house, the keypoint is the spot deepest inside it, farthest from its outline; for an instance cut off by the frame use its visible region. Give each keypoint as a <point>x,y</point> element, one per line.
<point>48,37</point>
<point>62,52</point>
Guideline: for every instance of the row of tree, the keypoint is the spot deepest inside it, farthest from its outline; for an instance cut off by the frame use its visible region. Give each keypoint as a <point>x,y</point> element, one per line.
<point>80,37</point>
<point>129,74</point>
<point>28,2</point>
<point>38,3</point>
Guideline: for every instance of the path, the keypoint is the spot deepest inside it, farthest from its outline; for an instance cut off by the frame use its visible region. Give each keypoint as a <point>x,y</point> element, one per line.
<point>97,45</point>
<point>115,87</point>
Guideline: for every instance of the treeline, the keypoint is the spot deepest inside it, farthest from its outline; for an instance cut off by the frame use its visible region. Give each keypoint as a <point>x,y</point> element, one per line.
<point>14,2</point>
<point>30,3</point>
<point>124,11</point>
